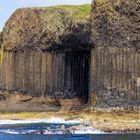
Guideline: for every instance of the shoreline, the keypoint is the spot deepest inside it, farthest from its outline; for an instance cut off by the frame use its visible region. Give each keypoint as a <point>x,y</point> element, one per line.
<point>115,121</point>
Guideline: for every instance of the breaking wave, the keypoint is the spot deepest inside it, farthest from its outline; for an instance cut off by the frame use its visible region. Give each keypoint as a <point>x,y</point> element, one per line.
<point>46,126</point>
<point>52,120</point>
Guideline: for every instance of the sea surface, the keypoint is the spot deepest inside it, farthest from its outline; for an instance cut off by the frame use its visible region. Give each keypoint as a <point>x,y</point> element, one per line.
<point>55,129</point>
<point>70,137</point>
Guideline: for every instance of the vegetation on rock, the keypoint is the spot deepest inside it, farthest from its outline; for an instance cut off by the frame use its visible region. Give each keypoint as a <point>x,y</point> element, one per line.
<point>33,28</point>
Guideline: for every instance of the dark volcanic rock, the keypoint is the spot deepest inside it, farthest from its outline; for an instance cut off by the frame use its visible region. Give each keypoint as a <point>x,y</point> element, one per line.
<point>33,28</point>
<point>116,23</point>
<point>109,72</point>
<point>115,33</point>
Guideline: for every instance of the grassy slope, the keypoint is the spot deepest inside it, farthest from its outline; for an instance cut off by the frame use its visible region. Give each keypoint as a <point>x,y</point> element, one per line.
<point>77,12</point>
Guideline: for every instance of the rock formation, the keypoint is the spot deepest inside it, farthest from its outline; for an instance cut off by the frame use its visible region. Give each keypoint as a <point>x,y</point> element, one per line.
<point>40,28</point>
<point>46,54</point>
<point>116,23</point>
<point>115,60</point>
<point>68,55</point>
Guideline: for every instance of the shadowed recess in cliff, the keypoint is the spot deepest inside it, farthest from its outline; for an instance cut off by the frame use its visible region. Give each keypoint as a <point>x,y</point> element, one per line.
<point>77,38</point>
<point>70,74</point>
<point>71,62</point>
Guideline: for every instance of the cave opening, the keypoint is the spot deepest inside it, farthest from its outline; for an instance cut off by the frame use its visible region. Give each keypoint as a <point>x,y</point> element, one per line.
<point>71,74</point>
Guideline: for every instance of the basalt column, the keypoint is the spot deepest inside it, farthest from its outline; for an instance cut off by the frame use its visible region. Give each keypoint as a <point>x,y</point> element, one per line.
<point>70,74</point>
<point>115,76</point>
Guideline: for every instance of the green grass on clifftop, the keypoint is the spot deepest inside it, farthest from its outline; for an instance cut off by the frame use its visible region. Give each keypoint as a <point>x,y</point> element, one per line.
<point>77,12</point>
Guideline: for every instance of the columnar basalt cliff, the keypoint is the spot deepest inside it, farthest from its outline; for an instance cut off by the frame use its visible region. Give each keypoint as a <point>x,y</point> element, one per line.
<point>74,56</point>
<point>115,61</point>
<point>46,53</point>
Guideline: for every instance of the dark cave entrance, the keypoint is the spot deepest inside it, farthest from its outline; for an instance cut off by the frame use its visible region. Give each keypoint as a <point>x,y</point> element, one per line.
<point>71,74</point>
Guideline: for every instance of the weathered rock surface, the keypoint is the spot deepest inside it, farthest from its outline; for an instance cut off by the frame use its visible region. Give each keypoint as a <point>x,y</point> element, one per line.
<point>26,39</point>
<point>115,60</point>
<point>17,102</point>
<point>68,105</point>
<point>116,23</point>
<point>40,28</point>
<point>109,72</point>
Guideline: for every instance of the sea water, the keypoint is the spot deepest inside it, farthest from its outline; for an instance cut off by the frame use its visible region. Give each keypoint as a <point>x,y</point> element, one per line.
<point>55,129</point>
<point>70,137</point>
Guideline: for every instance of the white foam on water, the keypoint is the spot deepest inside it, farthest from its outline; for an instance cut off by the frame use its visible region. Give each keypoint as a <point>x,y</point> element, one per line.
<point>52,120</point>
<point>88,130</point>
<point>80,129</point>
<point>8,131</point>
<point>60,120</point>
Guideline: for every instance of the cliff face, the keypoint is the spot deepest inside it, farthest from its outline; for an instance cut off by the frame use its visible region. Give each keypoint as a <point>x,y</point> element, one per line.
<point>116,23</point>
<point>115,60</point>
<point>96,60</point>
<point>33,28</point>
<point>46,55</point>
